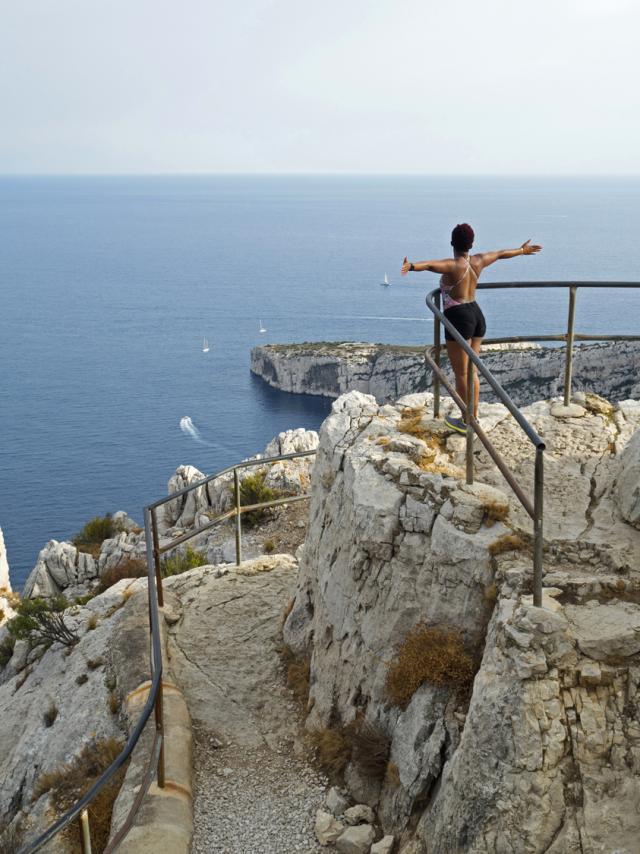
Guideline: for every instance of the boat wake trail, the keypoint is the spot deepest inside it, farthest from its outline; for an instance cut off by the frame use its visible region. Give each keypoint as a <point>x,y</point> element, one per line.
<point>189,429</point>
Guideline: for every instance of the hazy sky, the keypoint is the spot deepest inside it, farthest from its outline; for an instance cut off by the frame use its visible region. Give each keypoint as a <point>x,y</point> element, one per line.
<point>418,86</point>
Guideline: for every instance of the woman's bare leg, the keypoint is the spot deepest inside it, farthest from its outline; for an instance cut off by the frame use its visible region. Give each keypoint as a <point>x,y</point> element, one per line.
<point>459,359</point>
<point>476,343</point>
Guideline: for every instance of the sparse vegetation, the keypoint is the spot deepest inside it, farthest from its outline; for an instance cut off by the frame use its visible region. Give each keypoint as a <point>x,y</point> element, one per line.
<point>490,593</point>
<point>506,543</point>
<point>94,663</point>
<point>11,838</point>
<point>128,567</point>
<point>180,562</point>
<point>82,600</point>
<point>92,622</point>
<point>411,423</point>
<point>427,654</point>
<point>253,490</point>
<point>298,673</point>
<point>269,547</point>
<point>70,781</point>
<point>41,622</point>
<point>7,645</point>
<point>332,750</point>
<point>94,533</point>
<point>80,680</point>
<point>370,748</point>
<point>359,742</point>
<point>393,775</point>
<point>50,714</point>
<point>113,703</point>
<point>495,512</point>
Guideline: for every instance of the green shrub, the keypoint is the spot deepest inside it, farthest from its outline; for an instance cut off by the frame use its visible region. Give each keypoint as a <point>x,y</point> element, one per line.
<point>183,561</point>
<point>253,490</point>
<point>94,533</point>
<point>269,547</point>
<point>41,622</point>
<point>6,649</point>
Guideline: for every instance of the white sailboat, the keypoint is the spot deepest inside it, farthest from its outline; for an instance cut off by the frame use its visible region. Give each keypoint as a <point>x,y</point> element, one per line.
<point>386,283</point>
<point>205,345</point>
<point>262,328</point>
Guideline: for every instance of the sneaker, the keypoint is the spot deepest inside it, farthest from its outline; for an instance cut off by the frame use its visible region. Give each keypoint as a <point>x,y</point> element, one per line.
<point>456,424</point>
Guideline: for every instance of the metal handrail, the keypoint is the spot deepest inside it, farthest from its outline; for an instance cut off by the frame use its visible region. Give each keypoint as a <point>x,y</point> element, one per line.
<point>149,706</point>
<point>535,509</point>
<point>154,701</point>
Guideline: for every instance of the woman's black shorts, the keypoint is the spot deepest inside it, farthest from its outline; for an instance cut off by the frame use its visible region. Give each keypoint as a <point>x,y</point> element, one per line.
<point>468,319</point>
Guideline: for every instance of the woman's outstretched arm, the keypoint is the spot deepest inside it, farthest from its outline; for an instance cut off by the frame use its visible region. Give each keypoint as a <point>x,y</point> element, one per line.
<point>447,265</point>
<point>527,248</point>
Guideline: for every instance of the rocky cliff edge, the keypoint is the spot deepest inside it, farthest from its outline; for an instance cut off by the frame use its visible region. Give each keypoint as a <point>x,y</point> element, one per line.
<point>541,751</point>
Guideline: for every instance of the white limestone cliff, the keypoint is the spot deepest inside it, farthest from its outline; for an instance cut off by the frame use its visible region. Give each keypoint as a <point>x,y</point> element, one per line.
<point>527,372</point>
<point>544,755</point>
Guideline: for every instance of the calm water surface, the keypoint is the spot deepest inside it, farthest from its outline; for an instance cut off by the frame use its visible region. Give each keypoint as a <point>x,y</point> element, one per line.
<point>108,286</point>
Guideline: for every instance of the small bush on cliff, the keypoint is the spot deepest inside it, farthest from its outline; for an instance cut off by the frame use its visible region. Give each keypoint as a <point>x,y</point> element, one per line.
<point>129,567</point>
<point>427,654</point>
<point>253,490</point>
<point>70,781</point>
<point>183,561</point>
<point>41,622</point>
<point>94,533</point>
<point>6,649</point>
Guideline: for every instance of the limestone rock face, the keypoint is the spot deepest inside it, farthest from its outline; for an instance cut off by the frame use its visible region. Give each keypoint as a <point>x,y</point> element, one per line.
<point>628,485</point>
<point>543,753</point>
<point>59,566</point>
<point>527,372</point>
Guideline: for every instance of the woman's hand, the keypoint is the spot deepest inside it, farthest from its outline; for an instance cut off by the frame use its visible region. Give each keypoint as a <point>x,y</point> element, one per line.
<point>530,248</point>
<point>406,266</point>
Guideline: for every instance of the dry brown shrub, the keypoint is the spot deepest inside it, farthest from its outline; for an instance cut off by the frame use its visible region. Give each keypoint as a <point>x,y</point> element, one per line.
<point>114,703</point>
<point>427,654</point>
<point>383,440</point>
<point>393,775</point>
<point>332,749</point>
<point>506,543</point>
<point>92,622</point>
<point>127,568</point>
<point>490,593</point>
<point>370,748</point>
<point>70,781</point>
<point>494,512</point>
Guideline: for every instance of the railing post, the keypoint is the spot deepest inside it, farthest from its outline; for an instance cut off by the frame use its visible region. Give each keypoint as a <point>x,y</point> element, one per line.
<point>436,359</point>
<point>470,407</point>
<point>159,719</point>
<point>568,364</point>
<point>85,833</point>
<point>538,490</point>
<point>236,492</point>
<point>156,557</point>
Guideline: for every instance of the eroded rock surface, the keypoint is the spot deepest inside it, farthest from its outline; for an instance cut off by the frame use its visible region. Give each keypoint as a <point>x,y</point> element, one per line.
<point>544,755</point>
<point>528,372</point>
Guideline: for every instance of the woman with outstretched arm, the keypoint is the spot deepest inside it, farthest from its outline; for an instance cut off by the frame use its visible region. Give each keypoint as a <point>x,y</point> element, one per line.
<point>458,279</point>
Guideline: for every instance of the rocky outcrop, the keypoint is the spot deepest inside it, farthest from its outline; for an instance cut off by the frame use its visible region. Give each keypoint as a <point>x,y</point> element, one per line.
<point>527,372</point>
<point>290,477</point>
<point>543,753</point>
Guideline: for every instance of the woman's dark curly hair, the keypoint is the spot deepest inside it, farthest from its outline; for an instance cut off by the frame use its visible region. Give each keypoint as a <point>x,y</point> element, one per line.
<point>462,237</point>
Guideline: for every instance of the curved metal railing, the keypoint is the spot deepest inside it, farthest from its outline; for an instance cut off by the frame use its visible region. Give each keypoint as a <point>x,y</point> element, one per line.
<point>154,702</point>
<point>533,508</point>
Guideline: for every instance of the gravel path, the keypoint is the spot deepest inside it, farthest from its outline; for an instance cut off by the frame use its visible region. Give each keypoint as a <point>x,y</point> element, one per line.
<point>255,791</point>
<point>256,801</point>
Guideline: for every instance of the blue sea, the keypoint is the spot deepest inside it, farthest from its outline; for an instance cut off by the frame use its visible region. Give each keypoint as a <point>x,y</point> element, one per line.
<point>109,284</point>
